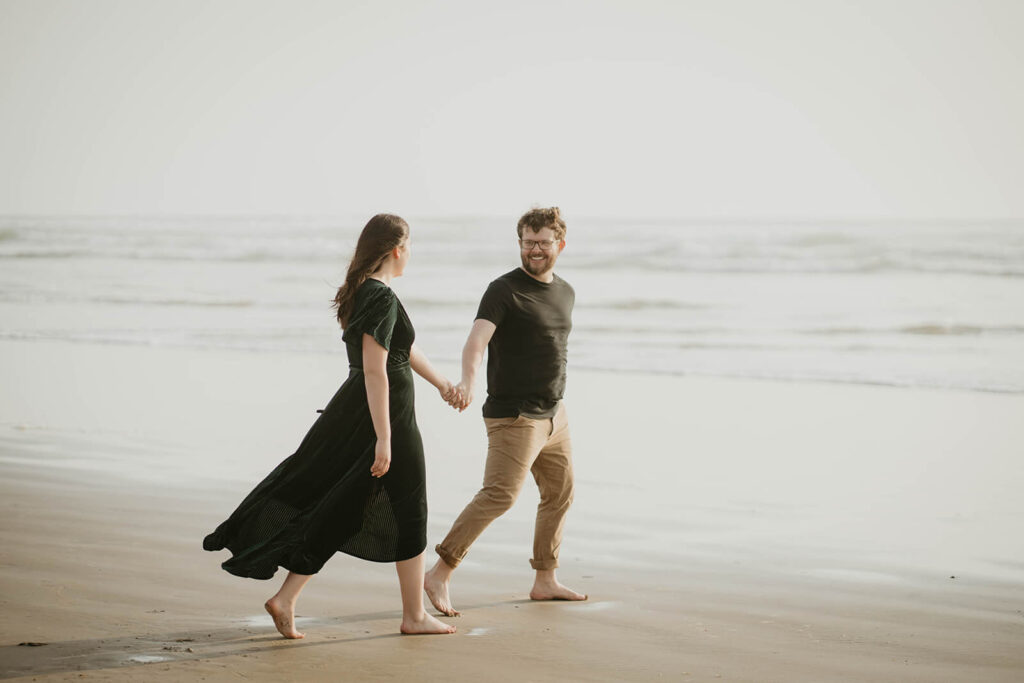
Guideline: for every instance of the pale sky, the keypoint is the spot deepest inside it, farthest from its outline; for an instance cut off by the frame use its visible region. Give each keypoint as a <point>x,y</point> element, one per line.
<point>725,109</point>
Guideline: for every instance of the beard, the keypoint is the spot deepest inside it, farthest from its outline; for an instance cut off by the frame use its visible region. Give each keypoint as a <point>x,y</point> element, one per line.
<point>540,266</point>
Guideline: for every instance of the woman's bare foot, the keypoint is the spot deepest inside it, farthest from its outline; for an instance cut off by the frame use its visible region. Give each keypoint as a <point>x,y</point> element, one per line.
<point>425,625</point>
<point>437,590</point>
<point>547,587</point>
<point>284,618</point>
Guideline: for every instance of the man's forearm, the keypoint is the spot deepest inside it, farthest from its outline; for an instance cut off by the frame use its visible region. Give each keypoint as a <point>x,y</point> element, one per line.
<point>473,351</point>
<point>472,357</point>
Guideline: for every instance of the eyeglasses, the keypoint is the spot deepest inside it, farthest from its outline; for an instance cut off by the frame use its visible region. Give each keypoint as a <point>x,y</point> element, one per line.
<point>545,245</point>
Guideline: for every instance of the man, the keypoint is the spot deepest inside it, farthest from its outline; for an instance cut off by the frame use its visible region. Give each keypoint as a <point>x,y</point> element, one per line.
<point>523,321</point>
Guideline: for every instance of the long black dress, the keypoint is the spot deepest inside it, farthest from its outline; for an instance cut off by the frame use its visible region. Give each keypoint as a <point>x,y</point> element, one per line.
<point>323,499</point>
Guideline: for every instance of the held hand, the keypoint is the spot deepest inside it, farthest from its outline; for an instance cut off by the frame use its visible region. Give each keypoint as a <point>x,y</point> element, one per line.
<point>464,393</point>
<point>451,394</point>
<point>381,459</point>
<point>456,399</point>
<point>447,391</point>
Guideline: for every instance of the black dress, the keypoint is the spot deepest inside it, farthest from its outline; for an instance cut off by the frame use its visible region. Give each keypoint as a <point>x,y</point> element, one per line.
<point>322,499</point>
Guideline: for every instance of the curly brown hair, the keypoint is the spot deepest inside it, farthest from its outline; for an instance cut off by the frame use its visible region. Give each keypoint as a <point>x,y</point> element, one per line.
<point>537,219</point>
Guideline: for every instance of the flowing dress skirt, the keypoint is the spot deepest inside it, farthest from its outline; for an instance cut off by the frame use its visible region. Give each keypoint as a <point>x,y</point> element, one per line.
<point>322,499</point>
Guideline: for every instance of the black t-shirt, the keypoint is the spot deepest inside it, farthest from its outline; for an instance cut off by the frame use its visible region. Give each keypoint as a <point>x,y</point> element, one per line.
<point>526,356</point>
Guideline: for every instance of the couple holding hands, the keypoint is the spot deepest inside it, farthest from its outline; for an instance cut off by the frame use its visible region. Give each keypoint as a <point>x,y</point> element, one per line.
<point>356,483</point>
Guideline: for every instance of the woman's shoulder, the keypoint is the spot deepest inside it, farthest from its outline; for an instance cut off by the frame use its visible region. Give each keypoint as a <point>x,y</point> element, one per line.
<point>374,312</point>
<point>374,292</point>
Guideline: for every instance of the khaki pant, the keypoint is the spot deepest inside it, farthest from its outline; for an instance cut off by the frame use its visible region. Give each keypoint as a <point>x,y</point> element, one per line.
<point>516,446</point>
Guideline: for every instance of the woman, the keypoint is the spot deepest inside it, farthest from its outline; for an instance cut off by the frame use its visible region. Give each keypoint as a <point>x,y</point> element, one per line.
<point>356,483</point>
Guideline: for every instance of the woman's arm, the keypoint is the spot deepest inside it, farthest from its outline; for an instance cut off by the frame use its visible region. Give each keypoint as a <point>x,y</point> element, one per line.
<point>422,367</point>
<point>375,374</point>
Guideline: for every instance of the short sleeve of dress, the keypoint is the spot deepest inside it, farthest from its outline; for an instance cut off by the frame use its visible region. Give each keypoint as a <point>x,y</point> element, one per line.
<point>494,303</point>
<point>375,314</point>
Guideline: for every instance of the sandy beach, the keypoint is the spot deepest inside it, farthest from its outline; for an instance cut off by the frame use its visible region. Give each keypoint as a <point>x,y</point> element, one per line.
<point>724,529</point>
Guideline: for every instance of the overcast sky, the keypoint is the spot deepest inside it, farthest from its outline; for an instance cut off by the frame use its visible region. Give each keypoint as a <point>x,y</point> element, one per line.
<point>619,108</point>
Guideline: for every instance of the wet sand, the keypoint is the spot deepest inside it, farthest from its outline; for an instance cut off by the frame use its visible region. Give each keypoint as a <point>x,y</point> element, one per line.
<point>725,530</point>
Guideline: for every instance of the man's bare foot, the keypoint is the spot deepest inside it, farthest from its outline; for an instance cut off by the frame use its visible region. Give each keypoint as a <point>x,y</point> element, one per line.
<point>437,591</point>
<point>552,590</point>
<point>284,618</point>
<point>426,625</point>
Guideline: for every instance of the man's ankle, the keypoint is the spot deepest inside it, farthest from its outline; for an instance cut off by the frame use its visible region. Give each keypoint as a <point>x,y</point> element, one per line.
<point>545,575</point>
<point>441,570</point>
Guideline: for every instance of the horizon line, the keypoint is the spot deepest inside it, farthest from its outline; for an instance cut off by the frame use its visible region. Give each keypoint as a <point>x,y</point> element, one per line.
<point>649,219</point>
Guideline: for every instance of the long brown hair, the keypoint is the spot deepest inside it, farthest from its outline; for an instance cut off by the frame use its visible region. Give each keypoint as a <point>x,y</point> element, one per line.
<point>381,234</point>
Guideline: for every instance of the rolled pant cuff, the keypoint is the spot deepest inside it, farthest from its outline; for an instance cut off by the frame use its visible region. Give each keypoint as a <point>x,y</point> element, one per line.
<point>542,564</point>
<point>447,557</point>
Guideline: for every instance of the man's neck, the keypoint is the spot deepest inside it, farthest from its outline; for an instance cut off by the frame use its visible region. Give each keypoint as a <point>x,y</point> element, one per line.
<point>547,277</point>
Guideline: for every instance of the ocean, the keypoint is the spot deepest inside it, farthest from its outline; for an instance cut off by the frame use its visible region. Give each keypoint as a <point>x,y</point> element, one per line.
<point>922,304</point>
